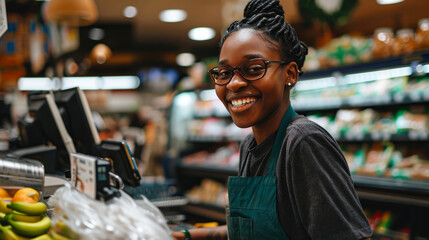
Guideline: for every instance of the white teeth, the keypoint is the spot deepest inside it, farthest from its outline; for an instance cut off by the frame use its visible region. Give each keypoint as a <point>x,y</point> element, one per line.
<point>242,102</point>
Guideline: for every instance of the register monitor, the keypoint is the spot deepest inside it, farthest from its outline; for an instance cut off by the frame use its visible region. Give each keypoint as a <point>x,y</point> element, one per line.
<point>43,108</point>
<point>77,117</point>
<point>122,160</point>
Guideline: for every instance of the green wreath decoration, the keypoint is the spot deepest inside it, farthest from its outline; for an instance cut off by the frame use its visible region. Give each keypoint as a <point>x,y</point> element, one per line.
<point>332,12</point>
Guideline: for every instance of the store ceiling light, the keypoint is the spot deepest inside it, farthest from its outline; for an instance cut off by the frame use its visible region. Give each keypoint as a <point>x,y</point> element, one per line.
<point>185,59</point>
<point>35,84</point>
<point>201,33</point>
<point>173,15</point>
<point>120,82</point>
<point>130,11</point>
<point>386,2</point>
<point>84,83</point>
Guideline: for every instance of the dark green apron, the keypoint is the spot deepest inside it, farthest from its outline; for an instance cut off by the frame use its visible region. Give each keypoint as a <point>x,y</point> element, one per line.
<point>253,200</point>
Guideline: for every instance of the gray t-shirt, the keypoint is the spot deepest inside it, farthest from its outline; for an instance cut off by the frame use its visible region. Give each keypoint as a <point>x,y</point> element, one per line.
<point>316,198</point>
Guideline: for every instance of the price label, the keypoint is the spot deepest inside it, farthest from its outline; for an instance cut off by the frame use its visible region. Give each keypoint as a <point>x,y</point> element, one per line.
<point>83,170</point>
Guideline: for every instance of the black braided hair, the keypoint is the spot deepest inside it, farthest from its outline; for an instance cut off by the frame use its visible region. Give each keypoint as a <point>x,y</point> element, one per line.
<point>267,16</point>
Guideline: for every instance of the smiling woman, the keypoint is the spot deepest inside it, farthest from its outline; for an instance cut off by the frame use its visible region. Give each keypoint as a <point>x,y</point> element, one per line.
<point>293,180</point>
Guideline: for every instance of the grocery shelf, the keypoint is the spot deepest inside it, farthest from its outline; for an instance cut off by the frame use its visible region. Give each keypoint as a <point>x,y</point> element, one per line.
<point>402,191</point>
<point>209,211</point>
<point>369,186</point>
<point>411,136</point>
<point>213,138</point>
<point>417,187</point>
<point>376,64</point>
<point>218,172</point>
<point>364,102</point>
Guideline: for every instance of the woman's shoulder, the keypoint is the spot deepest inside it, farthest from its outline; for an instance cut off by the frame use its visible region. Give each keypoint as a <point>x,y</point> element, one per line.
<point>302,128</point>
<point>305,126</point>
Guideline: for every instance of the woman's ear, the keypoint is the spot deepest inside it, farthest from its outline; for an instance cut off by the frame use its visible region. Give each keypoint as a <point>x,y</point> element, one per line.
<point>292,74</point>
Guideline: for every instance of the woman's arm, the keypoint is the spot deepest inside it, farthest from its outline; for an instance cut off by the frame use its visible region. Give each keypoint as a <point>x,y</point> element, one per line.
<point>213,233</point>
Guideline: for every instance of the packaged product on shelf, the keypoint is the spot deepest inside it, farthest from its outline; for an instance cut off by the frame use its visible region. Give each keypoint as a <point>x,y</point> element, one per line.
<point>355,157</point>
<point>226,156</point>
<point>407,121</point>
<point>344,50</point>
<point>207,128</point>
<point>354,123</point>
<point>404,42</point>
<point>311,60</point>
<point>421,170</point>
<point>411,167</point>
<point>377,160</point>
<point>382,42</point>
<point>383,126</point>
<point>209,192</point>
<point>203,108</point>
<point>422,34</point>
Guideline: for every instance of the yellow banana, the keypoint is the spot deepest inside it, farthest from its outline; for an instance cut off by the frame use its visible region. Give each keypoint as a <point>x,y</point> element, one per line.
<point>62,229</point>
<point>9,234</point>
<point>57,236</point>
<point>3,207</point>
<point>42,237</point>
<point>17,216</point>
<point>31,229</point>
<point>32,209</point>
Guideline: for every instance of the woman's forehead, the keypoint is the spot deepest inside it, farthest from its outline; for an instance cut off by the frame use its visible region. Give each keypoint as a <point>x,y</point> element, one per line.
<point>246,42</point>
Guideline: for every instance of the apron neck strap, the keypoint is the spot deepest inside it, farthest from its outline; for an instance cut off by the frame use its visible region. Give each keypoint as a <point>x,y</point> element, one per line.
<point>281,133</point>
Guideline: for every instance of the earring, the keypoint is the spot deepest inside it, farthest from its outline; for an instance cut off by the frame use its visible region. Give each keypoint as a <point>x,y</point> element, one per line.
<point>289,84</point>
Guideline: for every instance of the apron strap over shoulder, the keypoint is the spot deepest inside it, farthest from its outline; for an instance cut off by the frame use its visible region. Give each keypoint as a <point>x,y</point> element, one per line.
<point>281,133</point>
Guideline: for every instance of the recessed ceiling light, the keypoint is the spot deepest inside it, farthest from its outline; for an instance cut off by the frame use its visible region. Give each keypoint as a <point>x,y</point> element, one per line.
<point>185,59</point>
<point>130,11</point>
<point>386,2</point>
<point>201,33</point>
<point>172,15</point>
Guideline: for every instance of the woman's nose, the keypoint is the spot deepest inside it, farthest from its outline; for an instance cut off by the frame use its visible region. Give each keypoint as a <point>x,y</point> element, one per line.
<point>237,81</point>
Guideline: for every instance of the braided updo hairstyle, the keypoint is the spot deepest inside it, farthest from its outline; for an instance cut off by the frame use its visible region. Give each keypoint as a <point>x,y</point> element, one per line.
<point>267,16</point>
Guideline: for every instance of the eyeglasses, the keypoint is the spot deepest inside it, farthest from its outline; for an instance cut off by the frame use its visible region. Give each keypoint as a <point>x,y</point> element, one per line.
<point>250,70</point>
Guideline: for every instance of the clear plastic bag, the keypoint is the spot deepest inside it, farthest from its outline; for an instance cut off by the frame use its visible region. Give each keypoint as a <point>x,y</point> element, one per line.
<point>119,218</point>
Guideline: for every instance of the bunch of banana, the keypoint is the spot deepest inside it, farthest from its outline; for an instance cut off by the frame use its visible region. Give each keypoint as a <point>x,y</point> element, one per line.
<point>61,231</point>
<point>25,221</point>
<point>3,206</point>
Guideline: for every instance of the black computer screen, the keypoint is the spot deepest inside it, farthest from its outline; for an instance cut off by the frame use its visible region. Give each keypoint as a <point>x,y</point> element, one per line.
<point>123,163</point>
<point>78,120</point>
<point>43,108</point>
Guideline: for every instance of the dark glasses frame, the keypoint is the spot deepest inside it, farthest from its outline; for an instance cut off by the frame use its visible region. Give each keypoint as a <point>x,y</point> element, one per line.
<point>233,69</point>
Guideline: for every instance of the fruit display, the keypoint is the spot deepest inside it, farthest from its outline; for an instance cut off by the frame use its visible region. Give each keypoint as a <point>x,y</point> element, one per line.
<point>22,216</point>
